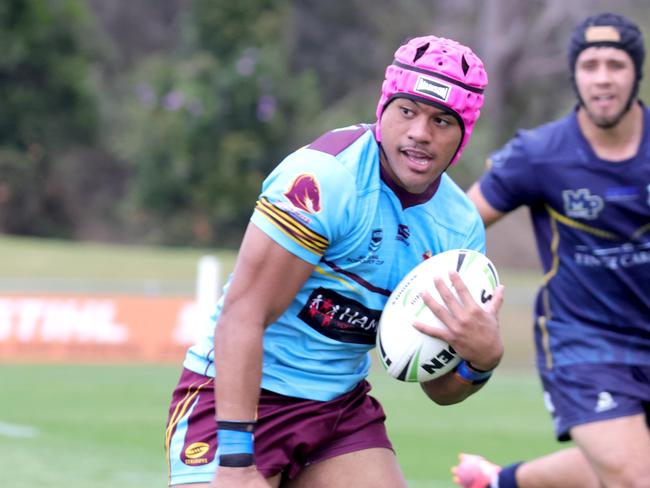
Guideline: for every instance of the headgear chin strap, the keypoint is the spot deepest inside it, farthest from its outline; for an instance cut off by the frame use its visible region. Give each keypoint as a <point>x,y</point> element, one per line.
<point>608,30</point>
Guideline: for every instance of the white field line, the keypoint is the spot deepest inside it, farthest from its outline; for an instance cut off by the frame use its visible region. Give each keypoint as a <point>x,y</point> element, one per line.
<point>17,430</point>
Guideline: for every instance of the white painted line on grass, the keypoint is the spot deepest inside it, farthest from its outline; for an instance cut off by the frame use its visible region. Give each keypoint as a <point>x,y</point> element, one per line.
<point>17,430</point>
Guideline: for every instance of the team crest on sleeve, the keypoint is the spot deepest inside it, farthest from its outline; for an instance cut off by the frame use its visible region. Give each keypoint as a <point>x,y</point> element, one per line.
<point>304,193</point>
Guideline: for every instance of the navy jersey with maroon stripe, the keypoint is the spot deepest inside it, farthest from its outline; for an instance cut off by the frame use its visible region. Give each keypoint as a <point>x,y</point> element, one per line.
<point>330,204</point>
<point>592,225</point>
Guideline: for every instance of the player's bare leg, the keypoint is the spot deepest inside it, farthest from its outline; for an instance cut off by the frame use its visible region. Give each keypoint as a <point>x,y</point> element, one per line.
<point>618,450</point>
<point>567,468</point>
<point>273,482</point>
<point>369,468</point>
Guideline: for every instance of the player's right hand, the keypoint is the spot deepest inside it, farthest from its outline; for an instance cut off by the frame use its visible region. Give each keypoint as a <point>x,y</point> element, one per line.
<point>248,477</point>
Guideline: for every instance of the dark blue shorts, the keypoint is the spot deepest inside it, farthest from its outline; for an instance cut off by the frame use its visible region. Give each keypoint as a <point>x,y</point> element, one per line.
<point>585,393</point>
<point>291,433</point>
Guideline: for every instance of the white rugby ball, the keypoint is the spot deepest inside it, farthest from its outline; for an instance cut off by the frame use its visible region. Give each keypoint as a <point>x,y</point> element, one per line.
<point>408,354</point>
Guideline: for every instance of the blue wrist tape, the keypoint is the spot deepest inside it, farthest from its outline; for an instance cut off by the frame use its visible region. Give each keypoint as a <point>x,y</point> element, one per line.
<point>235,448</point>
<point>466,374</point>
<point>234,442</point>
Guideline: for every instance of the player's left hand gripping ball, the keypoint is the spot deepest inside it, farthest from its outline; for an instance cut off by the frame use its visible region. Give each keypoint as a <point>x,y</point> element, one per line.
<point>411,355</point>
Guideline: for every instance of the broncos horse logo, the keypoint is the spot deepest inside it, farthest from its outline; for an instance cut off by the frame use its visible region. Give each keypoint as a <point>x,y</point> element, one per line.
<point>304,193</point>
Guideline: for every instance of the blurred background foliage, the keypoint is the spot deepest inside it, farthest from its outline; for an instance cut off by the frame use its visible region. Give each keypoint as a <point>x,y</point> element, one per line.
<point>154,122</point>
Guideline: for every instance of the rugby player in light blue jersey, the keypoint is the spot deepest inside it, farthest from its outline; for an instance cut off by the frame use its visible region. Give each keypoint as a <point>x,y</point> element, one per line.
<point>278,394</point>
<point>586,180</point>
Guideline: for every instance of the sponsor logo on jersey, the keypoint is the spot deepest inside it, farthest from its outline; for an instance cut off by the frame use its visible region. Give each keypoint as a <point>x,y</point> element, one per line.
<point>627,255</point>
<point>431,88</point>
<point>375,240</point>
<point>340,318</point>
<point>581,204</point>
<point>605,402</point>
<point>621,193</point>
<point>195,453</point>
<point>403,233</point>
<point>372,257</point>
<point>304,193</point>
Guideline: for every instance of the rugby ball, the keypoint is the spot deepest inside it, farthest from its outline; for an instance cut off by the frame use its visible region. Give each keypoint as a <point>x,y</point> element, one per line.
<point>406,353</point>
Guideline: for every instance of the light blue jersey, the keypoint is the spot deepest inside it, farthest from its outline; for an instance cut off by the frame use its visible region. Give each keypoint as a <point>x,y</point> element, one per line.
<point>331,204</point>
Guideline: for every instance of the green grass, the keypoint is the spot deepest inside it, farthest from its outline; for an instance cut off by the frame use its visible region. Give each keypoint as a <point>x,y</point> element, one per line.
<point>49,265</point>
<point>102,426</point>
<point>96,426</point>
<point>505,422</point>
<point>50,258</point>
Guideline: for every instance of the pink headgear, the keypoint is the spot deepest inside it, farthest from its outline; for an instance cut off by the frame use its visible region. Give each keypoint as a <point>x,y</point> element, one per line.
<point>439,72</point>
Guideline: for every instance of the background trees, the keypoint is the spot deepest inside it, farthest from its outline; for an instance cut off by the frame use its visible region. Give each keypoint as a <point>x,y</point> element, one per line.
<point>48,109</point>
<point>156,122</point>
<point>204,123</point>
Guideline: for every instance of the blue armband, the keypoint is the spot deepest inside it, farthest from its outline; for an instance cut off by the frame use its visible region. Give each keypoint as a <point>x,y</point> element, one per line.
<point>466,373</point>
<point>235,444</point>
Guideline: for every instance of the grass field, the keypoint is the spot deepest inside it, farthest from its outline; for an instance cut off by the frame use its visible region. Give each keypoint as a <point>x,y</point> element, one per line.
<point>54,265</point>
<point>102,426</point>
<point>50,258</point>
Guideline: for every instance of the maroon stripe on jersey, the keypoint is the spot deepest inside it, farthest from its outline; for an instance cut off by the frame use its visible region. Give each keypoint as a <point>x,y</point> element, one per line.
<point>336,141</point>
<point>284,221</point>
<point>358,279</point>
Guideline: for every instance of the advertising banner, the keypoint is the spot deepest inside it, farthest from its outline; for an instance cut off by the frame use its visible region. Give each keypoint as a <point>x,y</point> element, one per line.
<point>98,328</point>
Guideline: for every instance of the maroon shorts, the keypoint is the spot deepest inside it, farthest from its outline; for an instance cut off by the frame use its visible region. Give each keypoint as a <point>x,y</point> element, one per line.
<point>291,433</point>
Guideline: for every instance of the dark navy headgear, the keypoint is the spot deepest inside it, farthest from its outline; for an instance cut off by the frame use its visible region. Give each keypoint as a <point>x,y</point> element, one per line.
<point>608,30</point>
